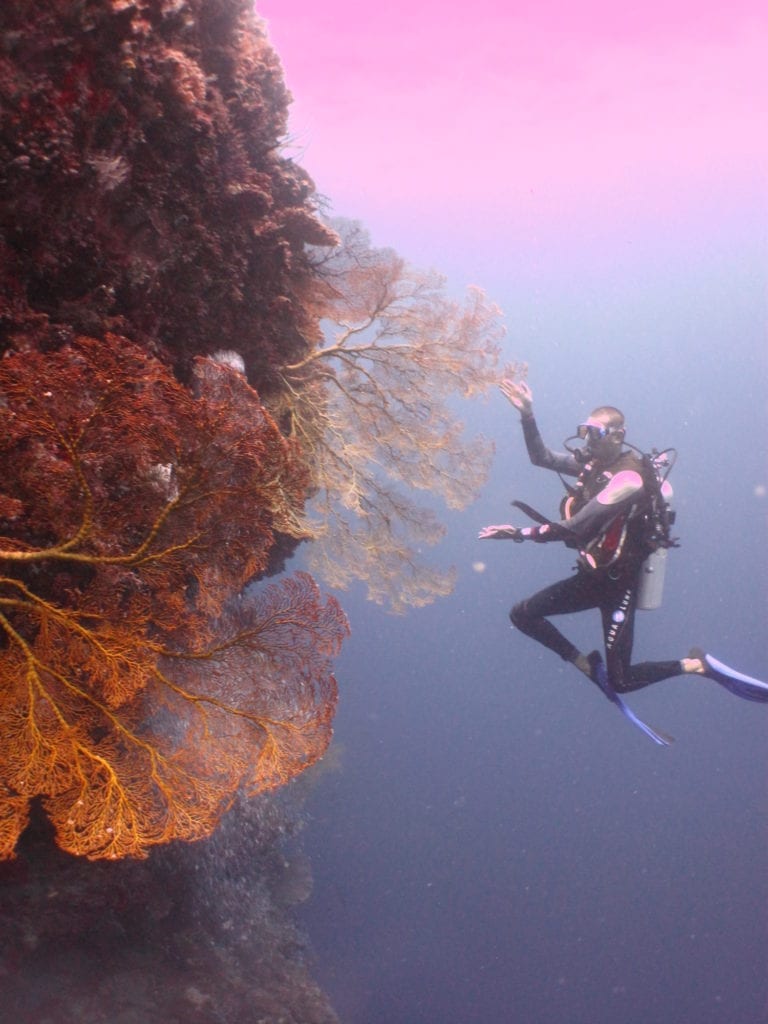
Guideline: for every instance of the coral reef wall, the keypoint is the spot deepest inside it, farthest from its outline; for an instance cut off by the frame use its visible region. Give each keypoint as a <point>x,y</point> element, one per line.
<point>142,189</point>
<point>144,202</point>
<point>200,933</point>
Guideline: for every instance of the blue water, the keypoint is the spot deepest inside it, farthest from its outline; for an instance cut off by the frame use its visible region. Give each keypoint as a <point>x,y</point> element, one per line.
<point>498,843</point>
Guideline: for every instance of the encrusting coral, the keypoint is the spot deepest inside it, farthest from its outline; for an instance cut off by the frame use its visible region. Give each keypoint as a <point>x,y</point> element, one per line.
<point>142,187</point>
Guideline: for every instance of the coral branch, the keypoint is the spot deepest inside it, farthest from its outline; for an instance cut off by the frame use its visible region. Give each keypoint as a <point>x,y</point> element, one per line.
<point>372,403</point>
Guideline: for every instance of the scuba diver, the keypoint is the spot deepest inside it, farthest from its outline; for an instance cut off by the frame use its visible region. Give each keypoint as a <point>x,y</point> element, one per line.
<point>617,517</point>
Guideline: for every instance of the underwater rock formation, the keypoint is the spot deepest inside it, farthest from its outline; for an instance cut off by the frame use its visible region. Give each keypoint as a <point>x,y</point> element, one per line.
<point>200,932</point>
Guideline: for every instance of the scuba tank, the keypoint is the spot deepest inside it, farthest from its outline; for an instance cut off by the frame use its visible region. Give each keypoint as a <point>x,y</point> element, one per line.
<point>651,583</point>
<point>659,517</point>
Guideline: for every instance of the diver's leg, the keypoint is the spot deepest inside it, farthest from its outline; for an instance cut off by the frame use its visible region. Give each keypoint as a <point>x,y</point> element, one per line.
<point>647,672</point>
<point>703,665</point>
<point>574,594</point>
<point>617,609</point>
<point>619,626</point>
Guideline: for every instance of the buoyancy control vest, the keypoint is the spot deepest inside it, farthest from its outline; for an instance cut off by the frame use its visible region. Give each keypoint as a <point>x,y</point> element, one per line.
<point>639,529</point>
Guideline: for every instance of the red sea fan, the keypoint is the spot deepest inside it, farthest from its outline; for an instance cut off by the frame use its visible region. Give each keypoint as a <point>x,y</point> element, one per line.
<point>137,693</point>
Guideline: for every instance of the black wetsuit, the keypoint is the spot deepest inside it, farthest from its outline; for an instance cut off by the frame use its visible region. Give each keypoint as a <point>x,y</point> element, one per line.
<point>612,588</point>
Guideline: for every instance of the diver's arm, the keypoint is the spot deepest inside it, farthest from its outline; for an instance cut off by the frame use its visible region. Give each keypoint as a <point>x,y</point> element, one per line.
<point>542,456</point>
<point>586,524</point>
<point>617,495</point>
<point>518,393</point>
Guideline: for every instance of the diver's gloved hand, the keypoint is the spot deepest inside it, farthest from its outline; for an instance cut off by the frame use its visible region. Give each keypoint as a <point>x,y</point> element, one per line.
<point>506,532</point>
<point>509,532</point>
<point>519,394</point>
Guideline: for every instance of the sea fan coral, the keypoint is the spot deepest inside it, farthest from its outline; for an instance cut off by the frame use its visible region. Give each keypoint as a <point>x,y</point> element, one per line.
<point>139,689</point>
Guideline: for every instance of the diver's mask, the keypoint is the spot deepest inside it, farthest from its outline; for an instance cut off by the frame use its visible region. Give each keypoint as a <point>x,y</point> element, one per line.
<point>591,434</point>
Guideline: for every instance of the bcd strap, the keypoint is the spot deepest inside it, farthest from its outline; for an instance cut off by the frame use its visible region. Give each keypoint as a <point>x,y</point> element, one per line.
<point>558,532</point>
<point>537,517</point>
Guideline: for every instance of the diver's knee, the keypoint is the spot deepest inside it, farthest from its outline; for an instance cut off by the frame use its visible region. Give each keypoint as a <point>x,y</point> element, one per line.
<point>519,615</point>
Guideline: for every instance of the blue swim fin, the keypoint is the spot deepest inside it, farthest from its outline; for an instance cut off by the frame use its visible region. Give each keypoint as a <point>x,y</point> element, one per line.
<point>742,685</point>
<point>599,674</point>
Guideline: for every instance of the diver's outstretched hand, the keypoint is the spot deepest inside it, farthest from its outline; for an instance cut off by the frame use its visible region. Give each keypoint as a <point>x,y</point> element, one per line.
<point>506,532</point>
<point>519,394</point>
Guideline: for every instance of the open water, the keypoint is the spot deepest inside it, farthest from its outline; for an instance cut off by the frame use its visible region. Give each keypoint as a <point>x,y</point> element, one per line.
<point>498,843</point>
